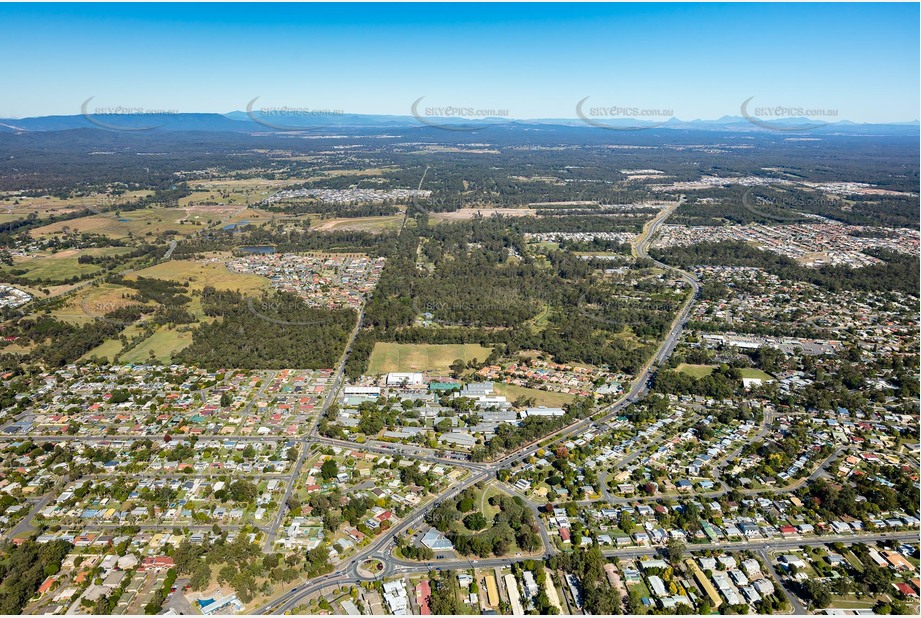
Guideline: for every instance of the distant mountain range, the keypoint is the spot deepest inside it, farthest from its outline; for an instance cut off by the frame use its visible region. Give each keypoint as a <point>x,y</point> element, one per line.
<point>242,122</point>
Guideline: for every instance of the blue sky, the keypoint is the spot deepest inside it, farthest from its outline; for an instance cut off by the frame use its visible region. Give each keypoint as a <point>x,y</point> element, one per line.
<point>534,60</point>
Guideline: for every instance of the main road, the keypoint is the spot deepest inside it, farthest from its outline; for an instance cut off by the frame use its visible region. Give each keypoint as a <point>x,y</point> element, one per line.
<point>639,387</point>
<point>348,574</point>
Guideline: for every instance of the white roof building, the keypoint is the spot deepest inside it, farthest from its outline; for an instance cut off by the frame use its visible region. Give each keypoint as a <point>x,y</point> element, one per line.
<point>398,379</point>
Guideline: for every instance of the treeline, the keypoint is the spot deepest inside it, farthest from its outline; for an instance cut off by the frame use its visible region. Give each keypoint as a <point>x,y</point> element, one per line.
<point>171,299</point>
<point>328,210</point>
<point>272,332</point>
<point>58,342</point>
<point>285,241</point>
<point>597,244</point>
<point>741,205</point>
<point>111,262</point>
<point>445,593</point>
<point>721,383</point>
<point>293,241</point>
<point>831,501</point>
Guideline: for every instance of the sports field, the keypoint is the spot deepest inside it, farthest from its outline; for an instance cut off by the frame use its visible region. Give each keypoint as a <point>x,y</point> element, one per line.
<point>400,357</point>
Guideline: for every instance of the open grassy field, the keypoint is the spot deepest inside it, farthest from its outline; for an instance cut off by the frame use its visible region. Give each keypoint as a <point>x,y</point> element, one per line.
<point>359,224</point>
<point>14,206</point>
<point>163,343</point>
<point>749,372</point>
<point>202,274</point>
<point>541,398</point>
<point>489,511</point>
<point>138,223</point>
<point>109,349</point>
<point>15,348</point>
<point>232,192</point>
<point>399,357</point>
<point>61,265</point>
<point>93,301</point>
<point>697,371</point>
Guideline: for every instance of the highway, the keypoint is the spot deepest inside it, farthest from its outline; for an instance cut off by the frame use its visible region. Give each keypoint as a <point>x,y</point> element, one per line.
<point>642,382</point>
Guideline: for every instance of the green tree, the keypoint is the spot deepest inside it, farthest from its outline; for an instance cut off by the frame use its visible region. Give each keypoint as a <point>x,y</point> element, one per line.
<point>329,469</point>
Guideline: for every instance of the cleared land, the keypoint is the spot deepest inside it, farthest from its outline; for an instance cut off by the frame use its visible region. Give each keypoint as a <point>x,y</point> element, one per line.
<point>464,214</point>
<point>232,192</point>
<point>153,221</point>
<point>97,300</point>
<point>162,344</point>
<point>60,266</point>
<point>400,357</point>
<point>749,372</point>
<point>202,274</point>
<point>14,206</point>
<point>541,398</point>
<point>697,371</point>
<point>359,224</point>
<point>94,301</point>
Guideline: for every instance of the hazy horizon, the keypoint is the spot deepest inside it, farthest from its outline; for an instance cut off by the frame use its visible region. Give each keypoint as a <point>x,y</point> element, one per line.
<point>533,61</point>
